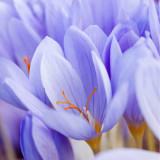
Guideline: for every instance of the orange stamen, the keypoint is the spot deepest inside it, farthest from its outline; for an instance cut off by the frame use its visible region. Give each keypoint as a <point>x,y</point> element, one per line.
<point>73,106</point>
<point>90,98</point>
<point>27,62</point>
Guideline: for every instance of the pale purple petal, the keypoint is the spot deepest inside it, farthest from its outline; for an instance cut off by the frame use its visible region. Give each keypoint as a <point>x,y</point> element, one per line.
<point>46,45</point>
<point>128,154</point>
<point>148,93</point>
<point>104,89</point>
<point>24,41</point>
<point>97,36</point>
<point>154,25</point>
<point>115,54</point>
<point>63,146</point>
<point>36,140</point>
<point>68,124</point>
<point>58,76</point>
<point>15,94</point>
<point>78,47</point>
<point>116,108</point>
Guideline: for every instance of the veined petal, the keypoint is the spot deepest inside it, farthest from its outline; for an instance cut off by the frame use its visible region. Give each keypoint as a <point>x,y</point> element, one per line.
<point>10,70</point>
<point>116,108</point>
<point>24,41</point>
<point>15,94</point>
<point>58,76</point>
<point>154,25</point>
<point>57,26</point>
<point>118,31</point>
<point>68,124</point>
<point>148,93</point>
<point>46,45</point>
<point>115,54</point>
<point>27,16</point>
<point>63,146</point>
<point>104,89</point>
<point>36,140</point>
<point>97,36</point>
<point>128,40</point>
<point>78,47</point>
<point>127,154</point>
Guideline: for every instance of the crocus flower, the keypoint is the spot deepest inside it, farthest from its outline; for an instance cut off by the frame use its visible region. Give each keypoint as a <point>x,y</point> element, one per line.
<point>148,92</point>
<point>126,68</point>
<point>125,154</point>
<point>39,142</point>
<point>84,91</point>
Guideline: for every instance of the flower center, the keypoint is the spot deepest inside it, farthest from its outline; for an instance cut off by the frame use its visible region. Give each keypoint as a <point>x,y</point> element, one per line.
<point>27,62</point>
<point>84,113</point>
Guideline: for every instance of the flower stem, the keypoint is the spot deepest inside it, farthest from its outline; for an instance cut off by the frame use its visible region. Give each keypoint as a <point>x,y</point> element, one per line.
<point>150,140</point>
<point>95,144</point>
<point>137,132</point>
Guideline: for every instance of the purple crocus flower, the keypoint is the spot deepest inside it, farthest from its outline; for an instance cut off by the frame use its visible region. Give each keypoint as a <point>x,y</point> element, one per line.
<point>148,92</point>
<point>39,142</point>
<point>125,154</point>
<point>126,69</point>
<point>81,94</point>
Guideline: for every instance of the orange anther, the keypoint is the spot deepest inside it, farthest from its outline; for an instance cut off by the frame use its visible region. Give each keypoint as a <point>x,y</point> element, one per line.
<point>27,62</point>
<point>90,98</point>
<point>75,107</point>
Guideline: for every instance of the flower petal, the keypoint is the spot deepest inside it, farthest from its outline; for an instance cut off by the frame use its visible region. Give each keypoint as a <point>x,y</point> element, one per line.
<point>46,45</point>
<point>115,54</point>
<point>78,47</point>
<point>97,36</point>
<point>57,26</point>
<point>116,107</point>
<point>154,25</point>
<point>58,76</point>
<point>127,154</point>
<point>69,125</point>
<point>148,93</point>
<point>104,89</point>
<point>15,94</point>
<point>37,140</point>
<point>10,70</point>
<point>24,41</point>
<point>64,147</point>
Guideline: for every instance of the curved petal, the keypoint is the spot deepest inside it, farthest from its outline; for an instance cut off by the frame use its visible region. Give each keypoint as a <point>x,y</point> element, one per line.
<point>56,27</point>
<point>78,47</point>
<point>24,41</point>
<point>64,147</point>
<point>68,124</point>
<point>81,13</point>
<point>148,93</point>
<point>127,154</point>
<point>104,89</point>
<point>46,45</point>
<point>58,76</point>
<point>118,31</point>
<point>25,13</point>
<point>154,25</point>
<point>37,140</point>
<point>17,95</point>
<point>125,71</point>
<point>10,70</point>
<point>115,53</point>
<point>128,40</point>
<point>116,107</point>
<point>97,36</point>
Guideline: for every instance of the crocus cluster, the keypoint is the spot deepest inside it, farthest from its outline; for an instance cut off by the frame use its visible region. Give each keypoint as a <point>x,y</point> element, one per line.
<point>79,78</point>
